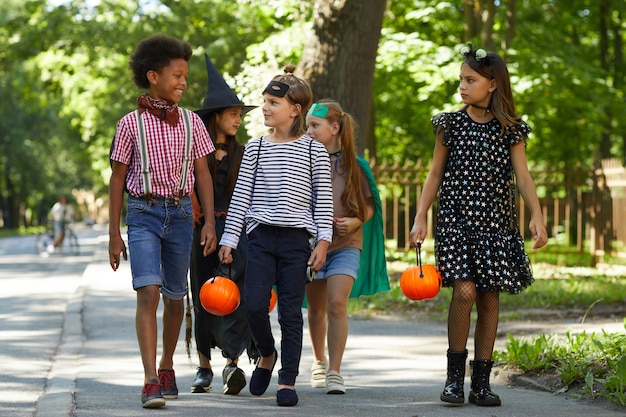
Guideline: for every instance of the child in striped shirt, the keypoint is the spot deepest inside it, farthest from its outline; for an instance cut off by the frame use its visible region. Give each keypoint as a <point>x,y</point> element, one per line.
<point>283,197</point>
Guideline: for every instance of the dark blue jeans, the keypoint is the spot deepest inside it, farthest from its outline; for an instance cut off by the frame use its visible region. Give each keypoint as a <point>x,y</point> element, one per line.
<point>277,256</point>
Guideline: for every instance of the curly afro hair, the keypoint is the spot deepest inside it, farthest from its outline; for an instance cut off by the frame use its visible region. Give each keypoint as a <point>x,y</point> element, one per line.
<point>154,53</point>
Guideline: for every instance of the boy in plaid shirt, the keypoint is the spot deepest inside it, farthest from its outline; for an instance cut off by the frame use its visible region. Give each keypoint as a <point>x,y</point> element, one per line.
<point>159,215</point>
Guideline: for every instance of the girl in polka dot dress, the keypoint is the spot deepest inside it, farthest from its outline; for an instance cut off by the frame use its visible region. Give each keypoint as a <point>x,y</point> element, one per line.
<point>479,156</point>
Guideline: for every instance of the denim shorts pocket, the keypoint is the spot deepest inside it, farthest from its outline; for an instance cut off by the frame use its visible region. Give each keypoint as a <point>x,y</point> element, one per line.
<point>185,207</point>
<point>137,205</point>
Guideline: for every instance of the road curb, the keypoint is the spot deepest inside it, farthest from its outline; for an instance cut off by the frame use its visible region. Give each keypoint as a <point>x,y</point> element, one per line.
<point>58,397</point>
<point>518,379</point>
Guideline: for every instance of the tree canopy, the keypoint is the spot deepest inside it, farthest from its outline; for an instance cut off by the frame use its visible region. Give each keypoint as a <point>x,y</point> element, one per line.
<point>64,76</point>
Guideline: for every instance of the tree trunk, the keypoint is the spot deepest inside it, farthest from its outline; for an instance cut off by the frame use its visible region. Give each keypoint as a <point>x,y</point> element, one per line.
<point>339,58</point>
<point>511,20</point>
<point>478,20</point>
<point>619,68</point>
<point>469,20</point>
<point>488,19</point>
<point>604,14</point>
<point>10,211</point>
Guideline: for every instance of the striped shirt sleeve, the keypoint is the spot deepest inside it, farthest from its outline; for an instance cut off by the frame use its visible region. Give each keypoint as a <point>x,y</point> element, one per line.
<point>287,185</point>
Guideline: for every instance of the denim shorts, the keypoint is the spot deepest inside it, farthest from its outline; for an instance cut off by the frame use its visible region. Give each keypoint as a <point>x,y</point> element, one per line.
<point>159,243</point>
<point>341,262</point>
<point>59,227</point>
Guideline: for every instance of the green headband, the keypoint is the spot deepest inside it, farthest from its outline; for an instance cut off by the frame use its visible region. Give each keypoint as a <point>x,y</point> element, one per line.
<point>318,110</point>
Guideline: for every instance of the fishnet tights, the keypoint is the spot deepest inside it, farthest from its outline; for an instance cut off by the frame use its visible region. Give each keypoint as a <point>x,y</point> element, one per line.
<point>464,295</point>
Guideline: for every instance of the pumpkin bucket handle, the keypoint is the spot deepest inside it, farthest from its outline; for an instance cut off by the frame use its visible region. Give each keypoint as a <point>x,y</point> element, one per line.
<point>418,256</point>
<point>215,274</point>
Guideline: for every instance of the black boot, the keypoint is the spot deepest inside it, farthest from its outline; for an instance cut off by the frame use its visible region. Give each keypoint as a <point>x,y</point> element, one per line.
<point>453,391</point>
<point>481,393</point>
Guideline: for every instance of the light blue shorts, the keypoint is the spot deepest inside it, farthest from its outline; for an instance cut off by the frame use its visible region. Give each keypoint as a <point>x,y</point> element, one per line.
<point>159,243</point>
<point>59,227</point>
<point>341,262</point>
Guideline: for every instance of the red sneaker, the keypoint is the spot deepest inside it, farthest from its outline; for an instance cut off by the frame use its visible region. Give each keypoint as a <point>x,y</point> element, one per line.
<point>151,396</point>
<point>167,379</point>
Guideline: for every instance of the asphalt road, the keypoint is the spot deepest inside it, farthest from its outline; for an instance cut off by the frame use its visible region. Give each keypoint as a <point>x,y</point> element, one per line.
<point>68,348</point>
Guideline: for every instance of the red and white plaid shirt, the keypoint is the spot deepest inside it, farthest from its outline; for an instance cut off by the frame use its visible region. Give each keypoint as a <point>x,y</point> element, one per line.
<point>166,148</point>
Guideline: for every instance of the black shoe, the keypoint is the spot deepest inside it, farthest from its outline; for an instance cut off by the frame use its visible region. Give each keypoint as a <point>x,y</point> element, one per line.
<point>261,377</point>
<point>234,379</point>
<point>453,388</point>
<point>453,393</point>
<point>202,383</point>
<point>286,397</point>
<point>481,393</point>
<point>484,397</point>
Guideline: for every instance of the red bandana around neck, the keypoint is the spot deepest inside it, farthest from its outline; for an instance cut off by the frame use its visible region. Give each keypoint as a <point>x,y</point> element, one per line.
<point>164,110</point>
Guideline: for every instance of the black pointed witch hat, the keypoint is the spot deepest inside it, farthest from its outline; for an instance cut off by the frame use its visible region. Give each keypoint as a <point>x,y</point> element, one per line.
<point>218,94</point>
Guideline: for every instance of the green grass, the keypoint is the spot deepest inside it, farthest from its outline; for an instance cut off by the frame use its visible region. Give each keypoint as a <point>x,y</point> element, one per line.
<point>22,231</point>
<point>573,295</point>
<point>596,362</point>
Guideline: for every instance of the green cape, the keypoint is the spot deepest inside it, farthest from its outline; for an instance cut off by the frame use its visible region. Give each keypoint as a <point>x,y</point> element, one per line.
<point>372,277</point>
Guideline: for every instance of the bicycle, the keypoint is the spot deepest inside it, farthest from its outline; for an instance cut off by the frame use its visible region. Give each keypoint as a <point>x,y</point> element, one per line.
<point>44,241</point>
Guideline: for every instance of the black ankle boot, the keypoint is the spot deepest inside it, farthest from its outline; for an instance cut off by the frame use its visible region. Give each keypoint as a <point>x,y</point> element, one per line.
<point>453,390</point>
<point>481,393</point>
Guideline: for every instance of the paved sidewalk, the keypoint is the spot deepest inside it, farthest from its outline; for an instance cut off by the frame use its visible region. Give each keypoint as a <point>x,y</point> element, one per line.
<point>391,368</point>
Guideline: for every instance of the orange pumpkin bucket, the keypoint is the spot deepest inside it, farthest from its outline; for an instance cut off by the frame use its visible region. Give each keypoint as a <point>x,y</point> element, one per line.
<point>273,300</point>
<point>219,296</point>
<point>420,282</point>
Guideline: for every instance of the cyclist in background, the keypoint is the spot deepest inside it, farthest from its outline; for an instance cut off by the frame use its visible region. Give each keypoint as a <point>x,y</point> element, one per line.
<point>61,214</point>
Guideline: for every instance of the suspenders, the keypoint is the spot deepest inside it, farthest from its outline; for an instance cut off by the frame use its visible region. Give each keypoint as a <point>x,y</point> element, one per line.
<point>143,153</point>
<point>145,163</point>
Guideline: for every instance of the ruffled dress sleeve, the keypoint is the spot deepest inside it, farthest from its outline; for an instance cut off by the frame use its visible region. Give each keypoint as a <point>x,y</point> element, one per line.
<point>442,122</point>
<point>518,133</point>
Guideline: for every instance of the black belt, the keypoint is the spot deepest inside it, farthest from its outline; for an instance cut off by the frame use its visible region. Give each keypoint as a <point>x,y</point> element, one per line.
<point>165,200</point>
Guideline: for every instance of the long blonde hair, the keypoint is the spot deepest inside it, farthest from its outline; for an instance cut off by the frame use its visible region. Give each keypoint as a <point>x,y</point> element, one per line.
<point>352,198</point>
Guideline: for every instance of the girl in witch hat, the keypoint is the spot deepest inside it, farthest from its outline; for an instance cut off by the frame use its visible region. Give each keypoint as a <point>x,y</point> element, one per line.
<point>221,113</point>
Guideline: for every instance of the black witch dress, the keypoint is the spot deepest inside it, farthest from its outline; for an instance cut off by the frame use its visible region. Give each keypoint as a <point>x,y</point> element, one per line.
<point>477,236</point>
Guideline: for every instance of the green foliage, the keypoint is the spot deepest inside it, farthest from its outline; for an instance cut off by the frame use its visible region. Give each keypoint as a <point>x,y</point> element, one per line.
<point>565,89</point>
<point>64,67</point>
<point>577,295</point>
<point>614,383</point>
<point>416,76</point>
<point>66,83</point>
<point>535,355</point>
<point>596,360</point>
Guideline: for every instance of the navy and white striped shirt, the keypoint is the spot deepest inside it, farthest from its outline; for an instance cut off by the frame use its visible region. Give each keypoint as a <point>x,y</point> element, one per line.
<point>288,186</point>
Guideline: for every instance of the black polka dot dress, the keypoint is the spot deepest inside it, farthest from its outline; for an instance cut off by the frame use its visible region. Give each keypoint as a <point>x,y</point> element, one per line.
<point>477,237</point>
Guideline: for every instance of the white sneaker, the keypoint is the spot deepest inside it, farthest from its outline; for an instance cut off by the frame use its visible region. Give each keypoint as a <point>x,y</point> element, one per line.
<point>318,374</point>
<point>334,383</point>
<point>50,248</point>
